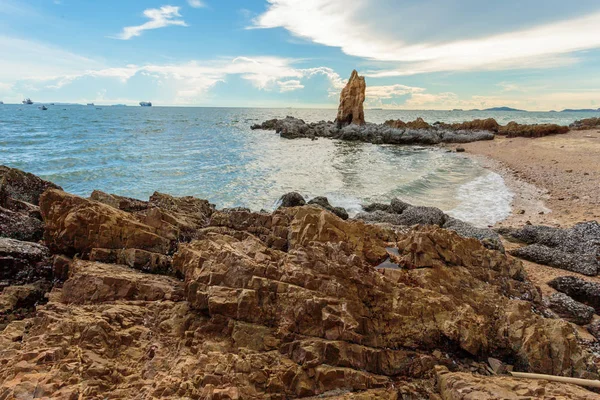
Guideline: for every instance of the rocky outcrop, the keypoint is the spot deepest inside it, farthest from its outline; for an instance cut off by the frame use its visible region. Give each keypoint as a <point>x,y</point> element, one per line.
<point>575,249</point>
<point>584,124</point>
<point>579,289</point>
<point>350,110</point>
<point>466,386</point>
<point>399,213</point>
<point>282,305</point>
<point>77,225</point>
<point>569,309</point>
<point>293,128</point>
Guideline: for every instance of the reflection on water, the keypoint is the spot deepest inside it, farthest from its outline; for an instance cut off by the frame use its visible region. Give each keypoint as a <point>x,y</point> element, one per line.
<point>212,153</point>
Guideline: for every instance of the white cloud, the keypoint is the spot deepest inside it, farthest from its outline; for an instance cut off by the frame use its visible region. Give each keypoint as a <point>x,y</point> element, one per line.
<point>390,91</point>
<point>289,86</point>
<point>196,3</point>
<point>159,18</point>
<point>347,24</point>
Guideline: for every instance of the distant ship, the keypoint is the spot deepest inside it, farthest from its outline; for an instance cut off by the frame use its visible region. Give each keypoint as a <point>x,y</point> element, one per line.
<point>43,108</point>
<point>27,101</point>
<point>145,103</point>
<point>90,104</point>
<point>1,102</point>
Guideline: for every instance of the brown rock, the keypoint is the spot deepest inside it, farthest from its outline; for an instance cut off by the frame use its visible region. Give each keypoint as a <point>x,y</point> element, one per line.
<point>77,225</point>
<point>122,203</point>
<point>20,226</point>
<point>463,386</point>
<point>352,98</point>
<point>513,129</point>
<point>134,258</point>
<point>93,282</point>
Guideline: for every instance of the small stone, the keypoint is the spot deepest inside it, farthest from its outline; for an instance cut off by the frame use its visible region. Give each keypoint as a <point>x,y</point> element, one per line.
<point>460,149</point>
<point>521,212</point>
<point>569,170</point>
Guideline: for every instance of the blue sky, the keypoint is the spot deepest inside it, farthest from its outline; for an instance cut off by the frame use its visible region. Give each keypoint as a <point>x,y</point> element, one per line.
<point>415,54</point>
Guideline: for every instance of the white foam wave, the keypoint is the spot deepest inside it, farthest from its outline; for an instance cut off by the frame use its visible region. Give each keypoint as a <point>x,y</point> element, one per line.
<point>484,201</point>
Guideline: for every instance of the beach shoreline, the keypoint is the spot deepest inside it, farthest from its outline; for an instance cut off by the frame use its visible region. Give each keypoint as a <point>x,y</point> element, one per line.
<point>554,178</point>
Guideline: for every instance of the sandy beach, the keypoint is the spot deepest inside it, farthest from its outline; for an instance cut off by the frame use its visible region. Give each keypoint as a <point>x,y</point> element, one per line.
<point>555,178</point>
<point>556,182</point>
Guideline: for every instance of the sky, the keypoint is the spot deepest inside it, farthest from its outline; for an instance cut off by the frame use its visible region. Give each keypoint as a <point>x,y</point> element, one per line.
<point>415,54</point>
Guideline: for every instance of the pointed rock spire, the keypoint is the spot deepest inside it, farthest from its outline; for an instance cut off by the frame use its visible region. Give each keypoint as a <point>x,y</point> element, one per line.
<point>351,110</point>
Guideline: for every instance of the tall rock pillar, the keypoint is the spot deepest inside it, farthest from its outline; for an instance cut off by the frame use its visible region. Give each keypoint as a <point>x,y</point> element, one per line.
<point>351,110</point>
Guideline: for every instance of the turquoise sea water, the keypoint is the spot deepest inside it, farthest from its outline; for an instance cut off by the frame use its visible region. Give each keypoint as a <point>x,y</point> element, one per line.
<point>212,153</point>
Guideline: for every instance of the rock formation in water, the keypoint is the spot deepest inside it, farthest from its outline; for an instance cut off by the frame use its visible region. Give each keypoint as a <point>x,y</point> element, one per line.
<point>171,298</point>
<point>350,110</point>
<point>293,128</point>
<point>350,125</point>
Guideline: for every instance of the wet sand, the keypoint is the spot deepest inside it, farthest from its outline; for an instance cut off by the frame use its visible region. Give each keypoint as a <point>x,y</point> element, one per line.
<point>556,181</point>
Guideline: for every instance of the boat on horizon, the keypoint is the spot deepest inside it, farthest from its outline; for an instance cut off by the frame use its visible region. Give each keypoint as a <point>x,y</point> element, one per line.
<point>43,108</point>
<point>90,104</point>
<point>146,103</point>
<point>1,102</point>
<point>27,101</point>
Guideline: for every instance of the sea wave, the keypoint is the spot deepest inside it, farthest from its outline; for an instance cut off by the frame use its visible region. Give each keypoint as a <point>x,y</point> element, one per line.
<point>484,201</point>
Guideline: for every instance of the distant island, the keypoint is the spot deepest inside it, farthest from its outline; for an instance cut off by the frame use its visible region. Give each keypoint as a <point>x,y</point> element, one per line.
<point>581,110</point>
<point>503,109</point>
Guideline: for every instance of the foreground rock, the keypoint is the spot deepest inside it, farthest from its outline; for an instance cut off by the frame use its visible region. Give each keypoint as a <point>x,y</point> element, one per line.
<point>282,305</point>
<point>569,309</point>
<point>19,199</point>
<point>350,110</point>
<point>399,213</point>
<point>294,199</point>
<point>575,249</point>
<point>23,262</point>
<point>464,386</point>
<point>579,289</point>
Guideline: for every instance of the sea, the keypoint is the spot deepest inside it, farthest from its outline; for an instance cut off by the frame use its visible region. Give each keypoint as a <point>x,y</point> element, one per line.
<point>213,154</point>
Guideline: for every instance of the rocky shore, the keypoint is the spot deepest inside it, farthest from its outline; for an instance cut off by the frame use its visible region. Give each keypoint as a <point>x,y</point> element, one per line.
<point>173,298</point>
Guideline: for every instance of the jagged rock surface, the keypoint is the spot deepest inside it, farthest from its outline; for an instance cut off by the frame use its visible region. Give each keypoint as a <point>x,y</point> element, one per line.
<point>350,110</point>
<point>575,249</point>
<point>77,225</point>
<point>289,304</point>
<point>403,214</point>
